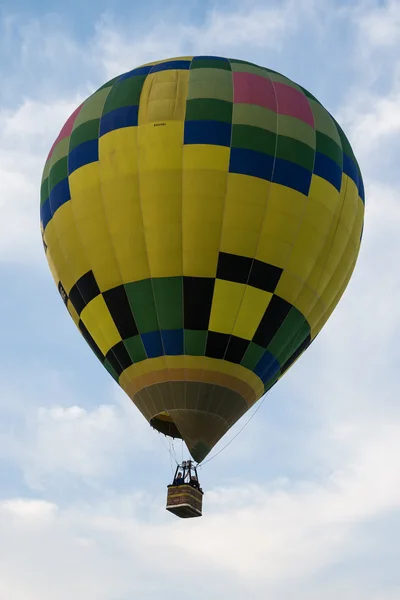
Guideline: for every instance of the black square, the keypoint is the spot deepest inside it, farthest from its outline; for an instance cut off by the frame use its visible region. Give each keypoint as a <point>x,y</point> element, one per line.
<point>236,349</point>
<point>276,313</point>
<point>84,290</point>
<point>119,358</point>
<point>216,344</point>
<point>232,267</point>
<point>197,300</point>
<point>264,276</point>
<point>121,312</point>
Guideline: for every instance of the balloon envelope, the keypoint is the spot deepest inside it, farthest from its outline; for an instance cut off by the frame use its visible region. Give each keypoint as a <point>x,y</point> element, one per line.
<point>201,217</point>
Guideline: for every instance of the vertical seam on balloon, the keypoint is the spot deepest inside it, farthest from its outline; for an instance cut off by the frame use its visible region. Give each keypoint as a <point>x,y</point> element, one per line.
<point>338,295</point>
<point>219,248</point>
<point>107,226</point>
<point>318,292</point>
<point>185,360</point>
<point>151,372</point>
<point>76,222</point>
<point>262,221</point>
<point>66,258</point>
<point>295,238</point>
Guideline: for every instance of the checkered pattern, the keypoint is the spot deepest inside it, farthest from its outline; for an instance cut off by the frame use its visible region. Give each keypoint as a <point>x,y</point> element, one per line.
<point>202,217</point>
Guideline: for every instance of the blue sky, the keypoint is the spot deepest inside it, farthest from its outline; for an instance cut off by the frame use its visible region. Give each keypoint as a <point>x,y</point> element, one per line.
<point>305,503</point>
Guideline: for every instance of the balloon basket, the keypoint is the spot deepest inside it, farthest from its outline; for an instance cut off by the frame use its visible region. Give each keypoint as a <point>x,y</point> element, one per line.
<point>184,501</point>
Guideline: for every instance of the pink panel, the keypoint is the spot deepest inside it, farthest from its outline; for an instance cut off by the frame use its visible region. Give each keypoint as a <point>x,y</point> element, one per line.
<point>66,129</point>
<point>253,89</point>
<point>294,103</point>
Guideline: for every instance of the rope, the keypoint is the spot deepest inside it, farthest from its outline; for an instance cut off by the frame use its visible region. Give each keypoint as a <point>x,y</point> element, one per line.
<point>238,433</point>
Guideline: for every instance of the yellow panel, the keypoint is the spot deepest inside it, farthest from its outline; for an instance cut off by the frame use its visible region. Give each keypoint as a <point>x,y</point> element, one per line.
<point>160,194</point>
<point>350,204</point>
<point>245,205</point>
<point>118,153</point>
<point>316,313</point>
<point>282,198</point>
<point>191,362</point>
<point>285,208</point>
<point>52,267</point>
<point>202,212</point>
<point>335,256</point>
<point>225,305</point>
<point>325,192</point>
<point>125,223</point>
<point>73,313</point>
<point>121,200</point>
<point>62,265</point>
<point>70,244</point>
<point>163,96</point>
<point>274,251</point>
<point>252,309</point>
<point>87,205</point>
<point>358,222</point>
<point>98,321</point>
<point>305,300</point>
<point>289,286</point>
<point>160,147</point>
<point>205,157</point>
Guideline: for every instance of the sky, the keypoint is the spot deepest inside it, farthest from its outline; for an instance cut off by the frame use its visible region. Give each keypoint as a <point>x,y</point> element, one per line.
<point>305,503</point>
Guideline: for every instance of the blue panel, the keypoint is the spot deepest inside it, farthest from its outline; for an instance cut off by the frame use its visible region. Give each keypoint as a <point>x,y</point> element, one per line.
<point>59,195</point>
<point>292,175</point>
<point>134,72</point>
<point>216,133</point>
<point>85,153</point>
<point>173,64</point>
<point>350,168</point>
<point>173,342</point>
<point>326,168</point>
<point>205,57</point>
<point>267,367</point>
<point>126,116</point>
<point>251,162</point>
<point>45,213</point>
<point>152,344</point>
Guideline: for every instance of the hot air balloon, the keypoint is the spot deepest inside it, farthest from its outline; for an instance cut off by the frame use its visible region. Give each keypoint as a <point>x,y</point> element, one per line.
<point>201,217</point>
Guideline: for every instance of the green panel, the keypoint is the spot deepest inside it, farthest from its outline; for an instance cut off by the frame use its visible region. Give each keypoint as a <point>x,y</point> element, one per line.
<point>327,146</point>
<point>135,348</point>
<point>278,78</point>
<point>59,151</point>
<point>254,138</point>
<point>324,122</point>
<point>257,116</point>
<point>308,94</point>
<point>141,300</point>
<point>109,83</point>
<point>195,342</point>
<point>252,355</point>
<point>44,191</point>
<point>210,83</point>
<point>210,63</point>
<point>93,107</point>
<point>168,294</point>
<point>296,152</point>
<point>125,93</point>
<point>239,67</point>
<point>59,171</point>
<point>205,109</point>
<point>347,149</point>
<point>297,129</point>
<point>110,369</point>
<point>85,132</point>
<point>289,336</point>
